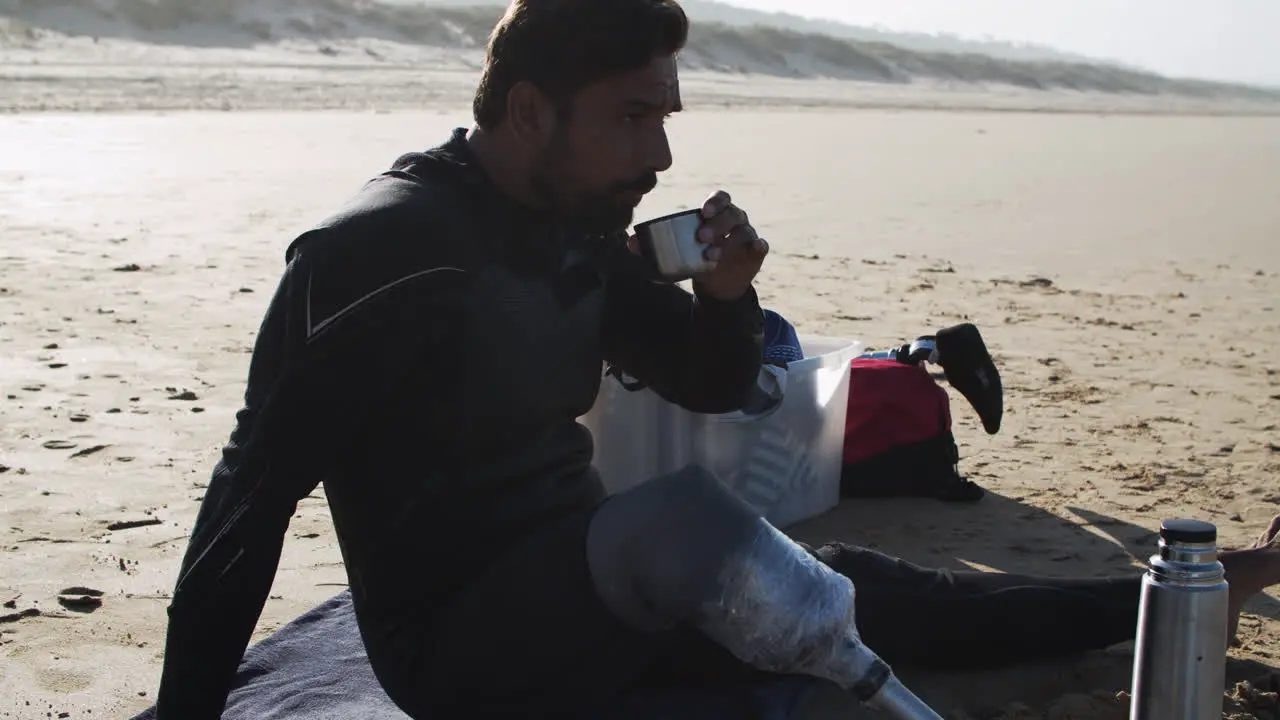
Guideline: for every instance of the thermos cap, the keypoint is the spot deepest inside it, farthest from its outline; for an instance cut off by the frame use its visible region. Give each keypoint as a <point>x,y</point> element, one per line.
<point>1188,531</point>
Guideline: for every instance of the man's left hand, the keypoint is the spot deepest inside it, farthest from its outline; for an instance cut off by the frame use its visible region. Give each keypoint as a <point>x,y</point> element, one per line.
<point>733,245</point>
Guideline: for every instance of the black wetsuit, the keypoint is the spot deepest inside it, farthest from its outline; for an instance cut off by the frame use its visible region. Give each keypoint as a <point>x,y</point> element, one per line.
<point>425,357</point>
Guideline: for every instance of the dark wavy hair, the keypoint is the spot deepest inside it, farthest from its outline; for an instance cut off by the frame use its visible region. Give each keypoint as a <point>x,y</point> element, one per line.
<point>562,46</point>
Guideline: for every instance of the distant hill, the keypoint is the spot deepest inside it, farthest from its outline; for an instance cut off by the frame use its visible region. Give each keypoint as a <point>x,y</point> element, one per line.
<point>710,11</point>
<point>726,39</point>
<point>734,16</point>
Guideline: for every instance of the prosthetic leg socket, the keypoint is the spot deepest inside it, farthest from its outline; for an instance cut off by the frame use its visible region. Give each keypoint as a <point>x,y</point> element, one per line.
<point>783,611</point>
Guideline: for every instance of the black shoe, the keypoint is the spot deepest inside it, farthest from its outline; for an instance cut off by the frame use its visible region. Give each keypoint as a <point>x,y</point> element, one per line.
<point>969,368</point>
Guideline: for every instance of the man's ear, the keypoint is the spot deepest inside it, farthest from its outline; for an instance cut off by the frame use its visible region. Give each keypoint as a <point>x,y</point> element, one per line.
<point>532,114</point>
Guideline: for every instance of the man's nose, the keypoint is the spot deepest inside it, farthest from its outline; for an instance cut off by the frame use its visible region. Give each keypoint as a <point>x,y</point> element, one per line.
<point>658,151</point>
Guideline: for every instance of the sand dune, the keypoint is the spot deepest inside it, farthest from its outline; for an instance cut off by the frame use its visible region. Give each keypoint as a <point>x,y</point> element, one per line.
<point>327,27</point>
<point>724,13</point>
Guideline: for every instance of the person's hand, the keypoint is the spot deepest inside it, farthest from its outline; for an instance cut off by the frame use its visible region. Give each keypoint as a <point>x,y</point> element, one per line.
<point>733,245</point>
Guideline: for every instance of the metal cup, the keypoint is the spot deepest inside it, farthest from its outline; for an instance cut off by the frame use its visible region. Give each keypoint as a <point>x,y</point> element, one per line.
<point>670,244</point>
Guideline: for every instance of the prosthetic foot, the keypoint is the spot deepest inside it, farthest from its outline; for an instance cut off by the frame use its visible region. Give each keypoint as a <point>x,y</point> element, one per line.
<point>783,611</point>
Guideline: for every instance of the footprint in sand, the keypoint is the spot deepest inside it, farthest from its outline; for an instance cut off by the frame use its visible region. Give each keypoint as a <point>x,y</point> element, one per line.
<point>63,682</point>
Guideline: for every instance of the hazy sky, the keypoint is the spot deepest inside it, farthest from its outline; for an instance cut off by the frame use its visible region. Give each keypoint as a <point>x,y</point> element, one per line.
<point>1220,39</point>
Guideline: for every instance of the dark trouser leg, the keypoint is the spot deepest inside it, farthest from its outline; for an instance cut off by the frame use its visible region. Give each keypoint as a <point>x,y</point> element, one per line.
<point>945,619</point>
<point>578,614</point>
<point>528,638</point>
<point>658,552</point>
<point>581,612</point>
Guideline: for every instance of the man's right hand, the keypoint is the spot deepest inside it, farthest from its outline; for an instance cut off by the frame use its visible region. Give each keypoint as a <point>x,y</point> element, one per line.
<point>734,246</point>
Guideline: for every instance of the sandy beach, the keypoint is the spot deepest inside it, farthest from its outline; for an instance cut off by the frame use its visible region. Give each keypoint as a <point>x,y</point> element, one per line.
<point>1124,266</point>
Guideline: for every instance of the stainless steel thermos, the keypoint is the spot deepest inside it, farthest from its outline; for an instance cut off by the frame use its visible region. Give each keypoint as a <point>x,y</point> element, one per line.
<point>1179,664</point>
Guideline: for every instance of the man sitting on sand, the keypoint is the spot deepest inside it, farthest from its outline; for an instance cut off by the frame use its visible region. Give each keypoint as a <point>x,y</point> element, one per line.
<point>426,355</point>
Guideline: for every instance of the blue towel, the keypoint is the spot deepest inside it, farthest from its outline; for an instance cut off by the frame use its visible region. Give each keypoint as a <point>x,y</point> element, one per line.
<point>780,340</point>
<point>315,668</point>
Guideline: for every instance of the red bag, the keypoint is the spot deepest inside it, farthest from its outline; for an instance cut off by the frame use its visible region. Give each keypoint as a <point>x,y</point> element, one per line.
<point>898,440</point>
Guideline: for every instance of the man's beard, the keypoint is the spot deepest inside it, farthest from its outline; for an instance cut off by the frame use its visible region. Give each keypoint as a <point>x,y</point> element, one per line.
<point>591,212</point>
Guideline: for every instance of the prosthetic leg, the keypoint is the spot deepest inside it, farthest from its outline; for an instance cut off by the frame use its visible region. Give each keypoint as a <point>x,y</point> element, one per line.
<point>683,549</point>
<point>783,611</point>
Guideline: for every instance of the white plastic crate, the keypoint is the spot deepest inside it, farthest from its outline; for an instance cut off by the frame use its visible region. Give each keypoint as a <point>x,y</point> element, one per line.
<point>785,462</point>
